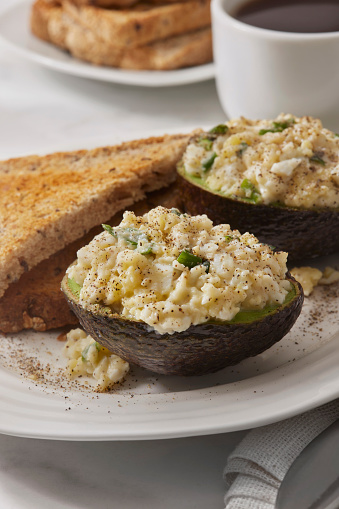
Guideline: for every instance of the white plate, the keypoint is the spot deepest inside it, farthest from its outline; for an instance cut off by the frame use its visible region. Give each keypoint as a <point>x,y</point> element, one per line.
<point>298,373</point>
<point>14,30</point>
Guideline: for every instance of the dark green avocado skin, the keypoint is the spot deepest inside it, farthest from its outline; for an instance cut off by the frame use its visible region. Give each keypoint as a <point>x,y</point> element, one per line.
<point>199,350</point>
<point>302,233</point>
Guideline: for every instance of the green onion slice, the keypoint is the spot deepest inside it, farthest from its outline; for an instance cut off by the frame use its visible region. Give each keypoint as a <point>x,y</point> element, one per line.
<point>251,192</point>
<point>205,143</point>
<point>176,212</point>
<point>133,236</point>
<point>109,229</point>
<point>130,235</point>
<point>269,245</point>
<point>84,353</point>
<point>190,260</point>
<point>243,147</point>
<point>208,163</point>
<point>219,129</point>
<point>148,250</point>
<point>277,127</point>
<point>229,238</point>
<point>317,159</point>
<point>206,264</point>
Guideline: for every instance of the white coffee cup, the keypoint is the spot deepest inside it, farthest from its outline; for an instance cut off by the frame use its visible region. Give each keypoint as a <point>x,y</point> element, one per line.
<point>261,73</point>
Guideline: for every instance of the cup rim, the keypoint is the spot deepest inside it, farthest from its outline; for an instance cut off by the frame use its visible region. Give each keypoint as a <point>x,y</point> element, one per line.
<point>223,16</point>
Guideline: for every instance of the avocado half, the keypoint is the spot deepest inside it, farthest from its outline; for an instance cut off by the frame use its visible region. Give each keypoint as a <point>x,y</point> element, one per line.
<point>302,233</point>
<point>200,349</point>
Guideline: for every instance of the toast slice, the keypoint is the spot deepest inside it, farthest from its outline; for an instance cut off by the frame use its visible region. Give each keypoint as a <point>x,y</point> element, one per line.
<point>120,3</point>
<point>105,3</point>
<point>142,23</point>
<point>57,27</point>
<point>47,202</point>
<point>44,14</point>
<point>36,301</point>
<point>185,50</point>
<point>194,48</point>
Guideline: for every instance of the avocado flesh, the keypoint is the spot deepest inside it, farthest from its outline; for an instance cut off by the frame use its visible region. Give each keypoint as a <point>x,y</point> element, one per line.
<point>199,350</point>
<point>302,233</point>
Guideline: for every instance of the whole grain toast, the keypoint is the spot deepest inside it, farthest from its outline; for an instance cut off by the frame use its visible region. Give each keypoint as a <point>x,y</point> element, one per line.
<point>120,3</point>
<point>142,23</point>
<point>47,202</point>
<point>106,3</point>
<point>36,302</point>
<point>175,52</point>
<point>194,48</point>
<point>45,13</point>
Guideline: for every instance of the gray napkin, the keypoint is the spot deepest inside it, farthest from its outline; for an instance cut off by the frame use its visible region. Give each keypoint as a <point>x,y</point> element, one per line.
<point>256,468</point>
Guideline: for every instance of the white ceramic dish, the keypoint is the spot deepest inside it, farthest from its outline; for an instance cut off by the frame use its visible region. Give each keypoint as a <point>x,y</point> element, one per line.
<point>14,30</point>
<point>260,72</point>
<point>298,373</point>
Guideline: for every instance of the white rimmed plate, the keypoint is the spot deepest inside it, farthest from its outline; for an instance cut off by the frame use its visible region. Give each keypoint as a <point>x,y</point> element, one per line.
<point>14,30</point>
<point>298,373</point>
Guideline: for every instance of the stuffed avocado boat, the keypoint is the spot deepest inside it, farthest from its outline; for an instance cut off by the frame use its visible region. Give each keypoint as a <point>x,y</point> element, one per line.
<point>177,295</point>
<point>277,179</point>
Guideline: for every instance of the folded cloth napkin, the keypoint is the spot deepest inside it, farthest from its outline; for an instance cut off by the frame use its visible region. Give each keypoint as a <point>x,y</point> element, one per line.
<point>257,466</point>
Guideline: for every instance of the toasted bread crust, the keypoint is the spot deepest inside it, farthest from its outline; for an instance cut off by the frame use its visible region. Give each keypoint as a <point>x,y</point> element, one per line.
<point>50,201</point>
<point>121,3</point>
<point>47,22</point>
<point>42,13</point>
<point>180,51</point>
<point>185,50</point>
<point>65,27</point>
<point>106,3</point>
<point>142,23</point>
<point>36,301</point>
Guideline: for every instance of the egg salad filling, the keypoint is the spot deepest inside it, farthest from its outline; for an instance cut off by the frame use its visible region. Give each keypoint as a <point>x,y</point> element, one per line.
<point>310,277</point>
<point>171,270</point>
<point>87,358</point>
<point>288,161</point>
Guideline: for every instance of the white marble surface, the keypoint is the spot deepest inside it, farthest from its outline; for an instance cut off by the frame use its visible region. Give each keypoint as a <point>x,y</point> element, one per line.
<point>167,474</point>
<point>41,108</point>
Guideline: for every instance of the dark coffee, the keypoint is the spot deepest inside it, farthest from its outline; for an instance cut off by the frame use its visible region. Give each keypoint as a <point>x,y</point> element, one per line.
<point>304,16</point>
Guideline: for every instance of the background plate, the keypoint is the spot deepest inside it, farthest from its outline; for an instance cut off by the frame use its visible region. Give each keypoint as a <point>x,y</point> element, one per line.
<point>14,30</point>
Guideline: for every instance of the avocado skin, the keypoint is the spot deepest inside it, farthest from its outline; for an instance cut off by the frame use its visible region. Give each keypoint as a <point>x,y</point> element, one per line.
<point>199,350</point>
<point>302,233</point>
